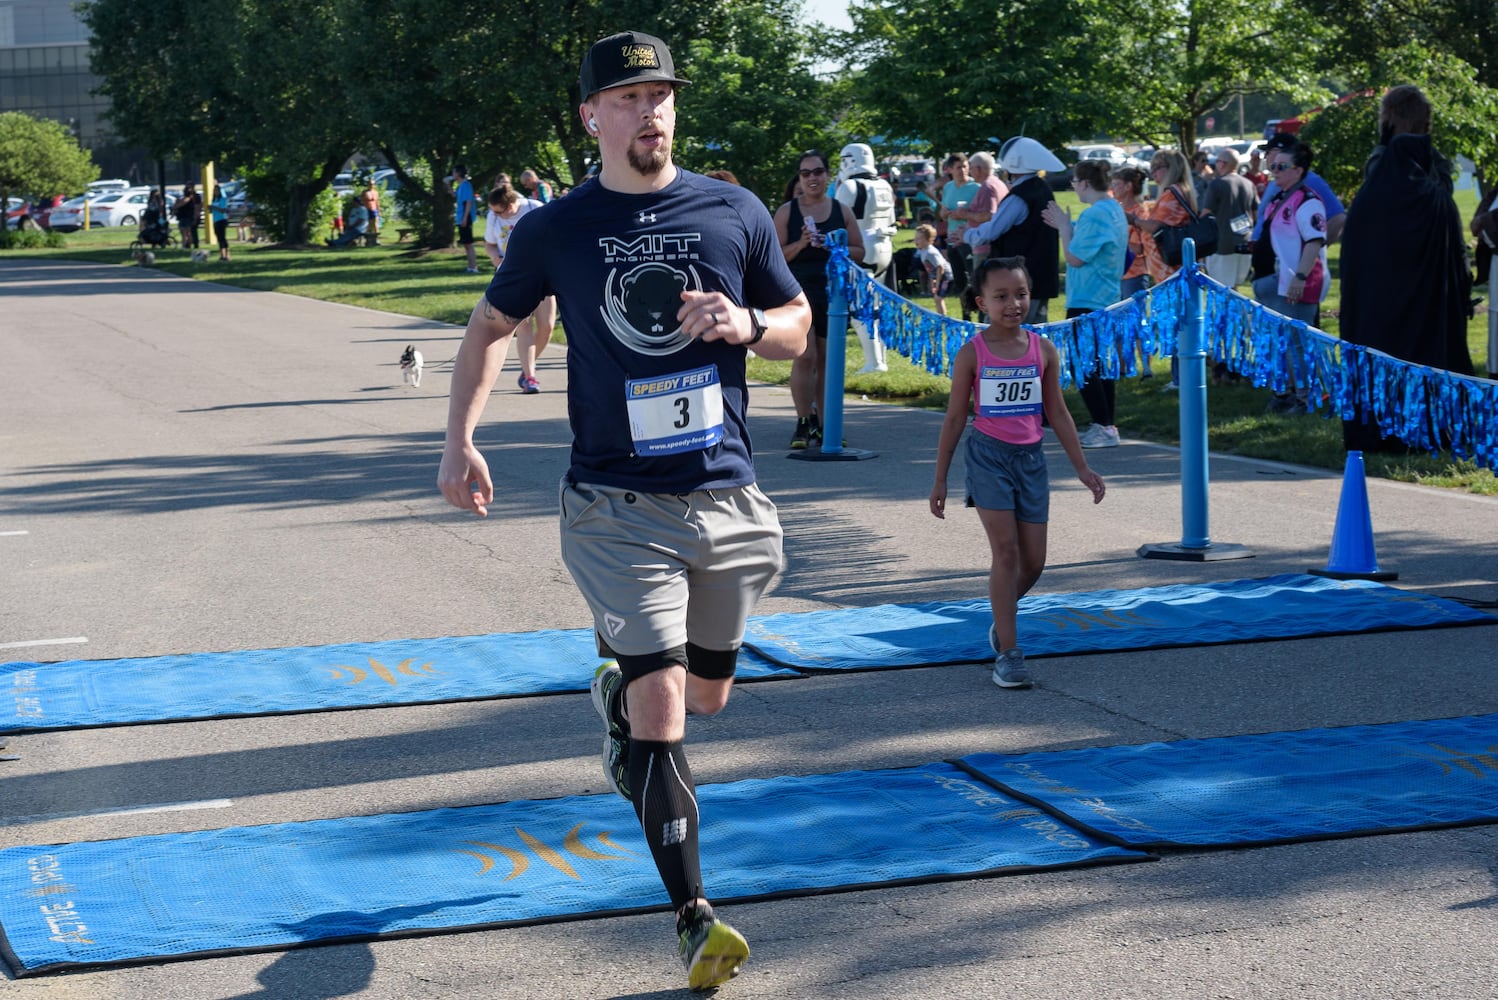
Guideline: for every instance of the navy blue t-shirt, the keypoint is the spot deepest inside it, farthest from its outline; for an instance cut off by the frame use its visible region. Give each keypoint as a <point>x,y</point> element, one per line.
<point>651,408</point>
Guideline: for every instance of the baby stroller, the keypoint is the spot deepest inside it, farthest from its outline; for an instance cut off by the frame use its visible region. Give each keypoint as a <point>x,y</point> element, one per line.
<point>154,231</point>
<point>904,274</point>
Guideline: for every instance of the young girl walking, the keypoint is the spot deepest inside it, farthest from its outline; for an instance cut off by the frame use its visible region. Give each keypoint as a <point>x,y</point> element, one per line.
<point>1007,376</point>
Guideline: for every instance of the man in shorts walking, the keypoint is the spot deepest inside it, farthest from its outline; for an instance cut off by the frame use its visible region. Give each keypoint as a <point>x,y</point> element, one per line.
<point>465,211</point>
<point>664,278</point>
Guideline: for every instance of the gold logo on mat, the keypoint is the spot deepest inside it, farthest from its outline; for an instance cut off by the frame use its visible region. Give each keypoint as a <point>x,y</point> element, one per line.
<point>358,675</point>
<point>572,843</point>
<point>1473,763</point>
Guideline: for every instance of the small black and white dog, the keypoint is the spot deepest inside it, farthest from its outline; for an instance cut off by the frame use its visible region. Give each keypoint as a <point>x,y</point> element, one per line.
<point>411,365</point>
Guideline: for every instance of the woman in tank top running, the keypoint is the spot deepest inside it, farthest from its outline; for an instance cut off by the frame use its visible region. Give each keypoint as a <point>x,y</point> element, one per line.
<point>1007,377</point>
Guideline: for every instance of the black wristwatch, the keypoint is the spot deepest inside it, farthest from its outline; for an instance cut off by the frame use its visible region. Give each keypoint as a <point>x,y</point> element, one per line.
<point>760,323</point>
<point>1301,277</point>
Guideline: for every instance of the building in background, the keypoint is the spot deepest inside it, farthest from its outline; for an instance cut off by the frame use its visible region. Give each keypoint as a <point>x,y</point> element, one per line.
<point>44,72</point>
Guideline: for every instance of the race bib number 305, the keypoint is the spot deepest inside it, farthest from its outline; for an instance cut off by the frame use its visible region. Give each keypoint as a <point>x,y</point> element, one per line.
<point>1009,391</point>
<point>670,414</point>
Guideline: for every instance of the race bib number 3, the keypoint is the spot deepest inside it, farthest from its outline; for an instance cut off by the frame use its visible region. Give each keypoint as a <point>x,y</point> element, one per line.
<point>1009,391</point>
<point>671,414</point>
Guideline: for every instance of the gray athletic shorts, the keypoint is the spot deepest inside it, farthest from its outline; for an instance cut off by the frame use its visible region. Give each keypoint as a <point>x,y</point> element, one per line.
<point>664,570</point>
<point>1004,476</point>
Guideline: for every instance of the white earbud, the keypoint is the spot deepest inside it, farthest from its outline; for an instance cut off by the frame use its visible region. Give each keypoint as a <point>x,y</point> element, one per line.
<point>593,125</point>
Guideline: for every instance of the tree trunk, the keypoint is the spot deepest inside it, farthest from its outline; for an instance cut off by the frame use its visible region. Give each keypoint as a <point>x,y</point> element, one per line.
<point>444,229</point>
<point>298,200</point>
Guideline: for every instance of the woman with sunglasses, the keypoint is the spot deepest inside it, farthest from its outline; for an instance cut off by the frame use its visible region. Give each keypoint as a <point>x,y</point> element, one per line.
<point>801,225</point>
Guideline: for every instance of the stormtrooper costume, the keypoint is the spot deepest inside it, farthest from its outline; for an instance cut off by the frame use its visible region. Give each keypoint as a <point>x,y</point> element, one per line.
<point>872,201</point>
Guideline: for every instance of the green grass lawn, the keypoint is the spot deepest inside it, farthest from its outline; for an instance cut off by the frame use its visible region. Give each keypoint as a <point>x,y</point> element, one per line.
<point>432,284</point>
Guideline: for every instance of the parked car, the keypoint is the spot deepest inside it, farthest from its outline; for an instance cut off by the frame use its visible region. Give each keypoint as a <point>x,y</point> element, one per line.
<point>101,187</point>
<point>68,217</point>
<point>385,177</point>
<point>15,210</point>
<point>122,208</point>
<point>239,205</point>
<point>904,175</point>
<point>1115,155</point>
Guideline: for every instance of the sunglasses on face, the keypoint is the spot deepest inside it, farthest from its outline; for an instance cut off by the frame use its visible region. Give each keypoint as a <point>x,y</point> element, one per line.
<point>813,172</point>
<point>1277,167</point>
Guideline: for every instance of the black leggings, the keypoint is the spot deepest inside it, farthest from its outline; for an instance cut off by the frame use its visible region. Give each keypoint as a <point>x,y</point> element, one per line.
<point>1097,393</point>
<point>221,232</point>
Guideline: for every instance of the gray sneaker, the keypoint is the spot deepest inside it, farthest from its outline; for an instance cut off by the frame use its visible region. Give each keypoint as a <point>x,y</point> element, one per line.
<point>1009,670</point>
<point>607,690</point>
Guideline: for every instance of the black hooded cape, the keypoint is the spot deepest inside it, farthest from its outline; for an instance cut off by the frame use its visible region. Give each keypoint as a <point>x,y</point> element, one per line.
<point>1406,287</point>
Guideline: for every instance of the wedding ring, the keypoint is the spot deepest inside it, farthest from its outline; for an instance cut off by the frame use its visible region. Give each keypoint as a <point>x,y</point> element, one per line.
<point>713,317</point>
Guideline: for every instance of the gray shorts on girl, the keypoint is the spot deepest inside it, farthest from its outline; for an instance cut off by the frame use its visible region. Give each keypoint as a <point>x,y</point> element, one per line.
<point>1004,476</point>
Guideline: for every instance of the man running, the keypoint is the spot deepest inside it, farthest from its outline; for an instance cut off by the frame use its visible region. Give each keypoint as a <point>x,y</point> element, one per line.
<point>664,278</point>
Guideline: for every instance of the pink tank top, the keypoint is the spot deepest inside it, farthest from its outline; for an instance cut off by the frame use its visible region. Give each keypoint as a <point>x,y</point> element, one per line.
<point>1006,393</point>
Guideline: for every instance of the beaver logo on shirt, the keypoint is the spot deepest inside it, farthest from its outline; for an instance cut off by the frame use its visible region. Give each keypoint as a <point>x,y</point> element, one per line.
<point>641,305</point>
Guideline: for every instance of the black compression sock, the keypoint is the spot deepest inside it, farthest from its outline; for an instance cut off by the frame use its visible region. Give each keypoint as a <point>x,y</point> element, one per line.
<point>665,799</point>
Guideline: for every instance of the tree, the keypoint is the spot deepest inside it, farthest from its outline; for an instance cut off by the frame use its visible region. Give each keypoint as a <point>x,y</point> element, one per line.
<point>242,81</point>
<point>1449,48</point>
<point>1465,118</point>
<point>754,102</point>
<point>957,73</point>
<point>962,72</point>
<point>39,157</point>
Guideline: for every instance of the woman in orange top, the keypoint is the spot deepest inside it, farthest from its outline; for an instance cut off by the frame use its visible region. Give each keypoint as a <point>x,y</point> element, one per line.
<point>1127,185</point>
<point>1172,172</point>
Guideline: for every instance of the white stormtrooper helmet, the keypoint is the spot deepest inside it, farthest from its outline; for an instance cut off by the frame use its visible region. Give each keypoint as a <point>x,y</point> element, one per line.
<point>857,160</point>
<point>1023,155</point>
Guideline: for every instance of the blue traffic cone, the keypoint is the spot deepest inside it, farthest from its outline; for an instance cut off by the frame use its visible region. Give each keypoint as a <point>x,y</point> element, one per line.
<point>1352,556</point>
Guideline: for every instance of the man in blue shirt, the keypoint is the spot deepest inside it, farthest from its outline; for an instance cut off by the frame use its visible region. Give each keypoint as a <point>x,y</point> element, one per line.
<point>465,210</point>
<point>663,278</point>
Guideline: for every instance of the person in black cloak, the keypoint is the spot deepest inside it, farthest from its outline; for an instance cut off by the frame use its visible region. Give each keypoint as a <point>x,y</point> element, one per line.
<point>1406,283</point>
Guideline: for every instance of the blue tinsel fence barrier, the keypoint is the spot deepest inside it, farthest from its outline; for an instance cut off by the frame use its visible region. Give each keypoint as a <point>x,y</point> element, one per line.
<point>1424,407</point>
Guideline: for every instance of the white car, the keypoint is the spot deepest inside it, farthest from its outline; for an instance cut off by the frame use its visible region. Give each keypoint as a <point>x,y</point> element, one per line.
<point>68,217</point>
<point>1115,155</point>
<point>123,208</point>
<point>104,187</point>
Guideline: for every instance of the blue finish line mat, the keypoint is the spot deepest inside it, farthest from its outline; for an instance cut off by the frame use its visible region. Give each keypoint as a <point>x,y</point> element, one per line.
<point>1291,606</point>
<point>75,694</point>
<point>242,889</point>
<point>1273,788</point>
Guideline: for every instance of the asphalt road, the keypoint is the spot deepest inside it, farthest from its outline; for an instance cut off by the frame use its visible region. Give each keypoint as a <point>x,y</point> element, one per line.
<point>190,467</point>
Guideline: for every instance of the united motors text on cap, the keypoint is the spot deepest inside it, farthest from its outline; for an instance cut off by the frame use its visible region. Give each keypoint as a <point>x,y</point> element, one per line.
<point>628,57</point>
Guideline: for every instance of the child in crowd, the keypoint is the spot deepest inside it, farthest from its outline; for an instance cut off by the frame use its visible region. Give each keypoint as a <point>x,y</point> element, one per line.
<point>1007,376</point>
<point>933,264</point>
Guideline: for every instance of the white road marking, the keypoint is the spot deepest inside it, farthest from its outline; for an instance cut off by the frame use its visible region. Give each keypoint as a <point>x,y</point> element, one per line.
<point>121,811</point>
<point>44,642</point>
<point>7,534</point>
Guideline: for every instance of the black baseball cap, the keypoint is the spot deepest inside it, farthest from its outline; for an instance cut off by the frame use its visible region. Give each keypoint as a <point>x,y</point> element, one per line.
<point>628,57</point>
<point>1281,140</point>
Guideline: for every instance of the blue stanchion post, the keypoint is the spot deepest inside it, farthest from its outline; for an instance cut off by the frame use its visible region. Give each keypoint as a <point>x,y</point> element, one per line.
<point>832,449</point>
<point>1191,353</point>
<point>1192,379</point>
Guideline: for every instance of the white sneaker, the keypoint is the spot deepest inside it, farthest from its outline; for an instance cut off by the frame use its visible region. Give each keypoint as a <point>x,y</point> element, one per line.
<point>1100,436</point>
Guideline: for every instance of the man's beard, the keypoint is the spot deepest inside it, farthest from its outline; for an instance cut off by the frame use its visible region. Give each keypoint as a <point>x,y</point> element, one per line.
<point>651,163</point>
